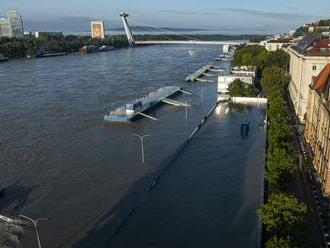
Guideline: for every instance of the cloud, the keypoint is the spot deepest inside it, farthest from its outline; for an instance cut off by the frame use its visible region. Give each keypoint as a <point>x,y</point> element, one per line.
<point>250,12</point>
<point>179,12</point>
<point>266,14</point>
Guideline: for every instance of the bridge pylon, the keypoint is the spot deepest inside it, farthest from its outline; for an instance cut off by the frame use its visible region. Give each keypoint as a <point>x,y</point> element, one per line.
<point>128,30</point>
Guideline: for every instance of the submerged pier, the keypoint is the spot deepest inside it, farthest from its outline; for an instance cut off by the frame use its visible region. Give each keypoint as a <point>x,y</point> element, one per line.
<point>199,73</point>
<point>140,107</point>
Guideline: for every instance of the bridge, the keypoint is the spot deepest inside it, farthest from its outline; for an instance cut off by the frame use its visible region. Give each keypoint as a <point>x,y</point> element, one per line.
<point>192,42</point>
<point>132,42</point>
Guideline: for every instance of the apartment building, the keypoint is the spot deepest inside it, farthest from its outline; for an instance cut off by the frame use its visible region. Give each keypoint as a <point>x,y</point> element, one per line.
<point>317,128</point>
<point>307,58</point>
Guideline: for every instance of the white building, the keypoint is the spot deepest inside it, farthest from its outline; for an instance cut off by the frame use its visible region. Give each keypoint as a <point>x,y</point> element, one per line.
<point>5,30</point>
<point>16,24</point>
<point>273,46</point>
<point>244,70</point>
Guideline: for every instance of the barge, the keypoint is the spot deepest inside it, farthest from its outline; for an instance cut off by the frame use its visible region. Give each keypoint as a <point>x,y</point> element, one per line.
<point>140,107</point>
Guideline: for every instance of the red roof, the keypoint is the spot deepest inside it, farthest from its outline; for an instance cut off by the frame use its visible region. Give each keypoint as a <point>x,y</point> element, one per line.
<point>320,82</point>
<point>318,44</point>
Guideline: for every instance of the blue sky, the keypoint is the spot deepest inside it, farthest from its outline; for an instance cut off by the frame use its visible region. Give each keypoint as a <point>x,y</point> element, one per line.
<point>237,15</point>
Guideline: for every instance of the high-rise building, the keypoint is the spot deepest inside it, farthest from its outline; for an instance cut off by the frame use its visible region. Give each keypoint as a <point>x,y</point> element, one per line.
<point>97,29</point>
<point>5,30</point>
<point>16,24</point>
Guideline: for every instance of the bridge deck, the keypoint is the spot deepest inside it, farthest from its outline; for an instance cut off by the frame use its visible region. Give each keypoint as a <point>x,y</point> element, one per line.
<point>193,42</point>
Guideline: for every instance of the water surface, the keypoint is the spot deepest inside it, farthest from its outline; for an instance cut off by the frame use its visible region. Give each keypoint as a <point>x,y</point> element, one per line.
<point>60,160</point>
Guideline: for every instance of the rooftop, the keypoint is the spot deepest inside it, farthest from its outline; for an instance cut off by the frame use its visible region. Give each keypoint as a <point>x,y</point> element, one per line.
<point>312,46</point>
<point>320,83</point>
<point>282,40</point>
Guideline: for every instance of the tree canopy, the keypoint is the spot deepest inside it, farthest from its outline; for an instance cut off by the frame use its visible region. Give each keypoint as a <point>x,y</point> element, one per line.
<point>31,46</point>
<point>239,88</point>
<point>280,167</point>
<point>282,214</point>
<point>276,242</point>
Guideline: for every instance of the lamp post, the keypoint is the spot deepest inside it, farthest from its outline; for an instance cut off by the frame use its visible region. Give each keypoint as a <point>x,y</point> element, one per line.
<point>202,95</point>
<point>142,143</point>
<point>35,222</point>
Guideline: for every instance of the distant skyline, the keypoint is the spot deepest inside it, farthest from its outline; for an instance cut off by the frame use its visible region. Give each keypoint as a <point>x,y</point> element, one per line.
<point>236,16</point>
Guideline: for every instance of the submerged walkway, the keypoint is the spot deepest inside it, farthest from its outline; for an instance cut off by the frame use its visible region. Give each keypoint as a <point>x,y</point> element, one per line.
<point>209,196</point>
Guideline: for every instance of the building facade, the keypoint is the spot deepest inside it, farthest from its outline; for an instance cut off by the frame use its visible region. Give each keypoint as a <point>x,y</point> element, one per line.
<point>317,128</point>
<point>97,30</point>
<point>16,24</point>
<point>307,58</point>
<point>5,30</point>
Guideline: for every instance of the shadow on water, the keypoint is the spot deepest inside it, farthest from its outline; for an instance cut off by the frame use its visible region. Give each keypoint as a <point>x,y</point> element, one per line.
<point>15,198</point>
<point>109,227</point>
<point>111,223</point>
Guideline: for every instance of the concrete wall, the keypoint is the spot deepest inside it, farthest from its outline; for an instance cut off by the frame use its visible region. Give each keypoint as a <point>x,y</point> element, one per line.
<point>249,100</point>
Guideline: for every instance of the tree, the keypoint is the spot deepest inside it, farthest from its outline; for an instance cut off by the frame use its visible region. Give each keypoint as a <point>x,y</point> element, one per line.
<point>276,242</point>
<point>282,214</point>
<point>279,135</point>
<point>278,110</point>
<point>278,58</point>
<point>247,55</point>
<point>31,46</point>
<point>324,22</point>
<point>301,31</point>
<point>239,88</point>
<point>273,78</point>
<point>280,167</point>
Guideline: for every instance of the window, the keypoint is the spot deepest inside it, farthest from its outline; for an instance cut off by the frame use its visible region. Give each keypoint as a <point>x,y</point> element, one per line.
<point>314,67</point>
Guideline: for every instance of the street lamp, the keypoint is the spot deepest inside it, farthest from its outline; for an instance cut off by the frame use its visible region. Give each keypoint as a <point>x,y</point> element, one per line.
<point>35,222</point>
<point>142,143</point>
<point>202,96</point>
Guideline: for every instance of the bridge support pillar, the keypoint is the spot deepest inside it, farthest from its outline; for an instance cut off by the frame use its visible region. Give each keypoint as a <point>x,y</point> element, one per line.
<point>128,31</point>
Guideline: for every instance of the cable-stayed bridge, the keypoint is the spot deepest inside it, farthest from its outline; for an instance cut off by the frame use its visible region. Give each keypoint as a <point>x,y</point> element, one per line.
<point>192,42</point>
<point>184,39</point>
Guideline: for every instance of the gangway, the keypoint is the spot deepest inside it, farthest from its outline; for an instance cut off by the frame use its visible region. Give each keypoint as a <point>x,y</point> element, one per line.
<point>208,75</point>
<point>148,116</point>
<point>175,102</point>
<point>186,92</point>
<point>217,70</point>
<point>204,80</point>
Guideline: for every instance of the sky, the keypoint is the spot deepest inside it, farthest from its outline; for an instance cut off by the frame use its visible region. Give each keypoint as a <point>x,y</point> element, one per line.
<point>236,16</point>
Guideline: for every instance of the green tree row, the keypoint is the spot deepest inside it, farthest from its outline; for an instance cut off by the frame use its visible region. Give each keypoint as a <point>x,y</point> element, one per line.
<point>258,56</point>
<point>30,46</point>
<point>283,213</point>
